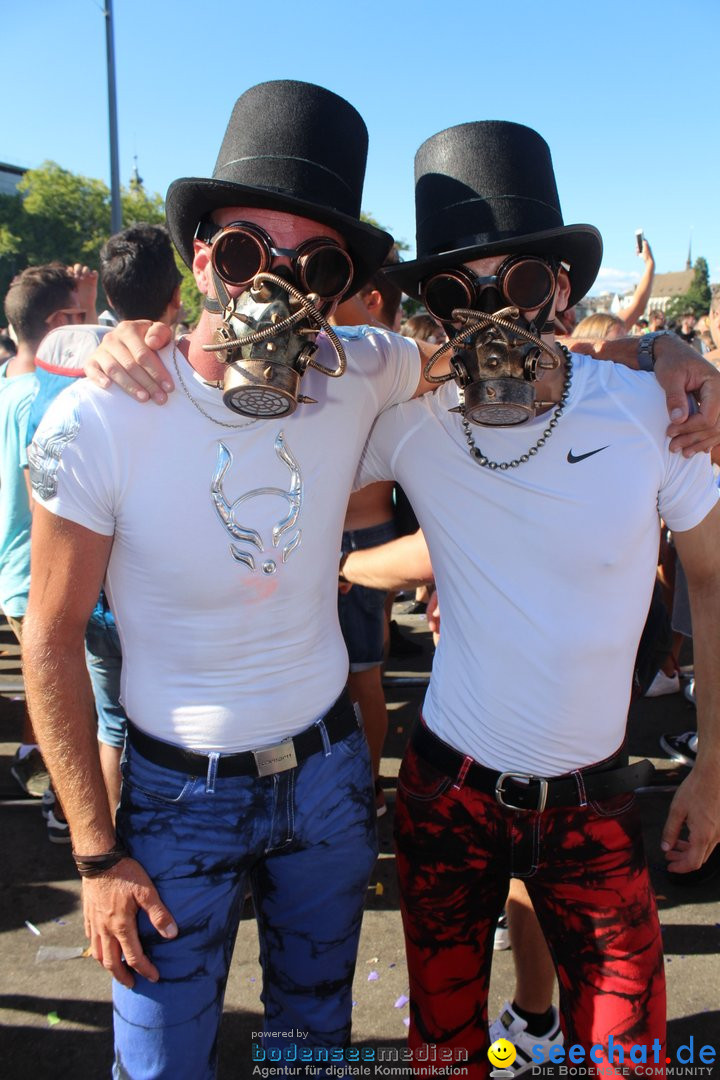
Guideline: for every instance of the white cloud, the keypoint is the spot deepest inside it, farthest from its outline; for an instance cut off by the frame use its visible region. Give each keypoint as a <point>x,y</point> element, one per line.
<point>611,280</point>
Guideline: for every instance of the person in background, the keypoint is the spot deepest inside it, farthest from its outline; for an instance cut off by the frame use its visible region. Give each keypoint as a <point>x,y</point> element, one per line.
<point>141,281</point>
<point>38,300</point>
<point>630,315</point>
<point>369,522</point>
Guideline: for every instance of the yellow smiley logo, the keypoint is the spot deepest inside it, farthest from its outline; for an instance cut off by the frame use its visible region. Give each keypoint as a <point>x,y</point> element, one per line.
<point>502,1053</point>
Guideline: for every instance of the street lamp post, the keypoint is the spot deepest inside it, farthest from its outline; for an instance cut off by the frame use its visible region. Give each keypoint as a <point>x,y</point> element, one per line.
<point>115,207</point>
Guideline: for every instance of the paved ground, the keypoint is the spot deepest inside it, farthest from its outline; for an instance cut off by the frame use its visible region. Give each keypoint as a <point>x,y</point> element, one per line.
<point>56,1014</point>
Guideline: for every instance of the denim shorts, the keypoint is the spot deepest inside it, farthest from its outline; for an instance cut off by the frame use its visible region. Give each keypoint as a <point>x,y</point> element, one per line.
<point>361,610</point>
<point>103,656</point>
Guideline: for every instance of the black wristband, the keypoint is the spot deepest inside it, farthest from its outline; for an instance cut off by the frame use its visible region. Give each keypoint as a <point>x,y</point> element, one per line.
<point>93,865</point>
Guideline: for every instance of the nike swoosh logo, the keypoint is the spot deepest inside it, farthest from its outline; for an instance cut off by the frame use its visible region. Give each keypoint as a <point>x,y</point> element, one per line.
<point>574,458</point>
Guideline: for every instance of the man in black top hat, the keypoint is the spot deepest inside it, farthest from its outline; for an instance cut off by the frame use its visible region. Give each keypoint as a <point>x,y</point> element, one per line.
<point>537,477</point>
<point>227,525</point>
<point>212,528</point>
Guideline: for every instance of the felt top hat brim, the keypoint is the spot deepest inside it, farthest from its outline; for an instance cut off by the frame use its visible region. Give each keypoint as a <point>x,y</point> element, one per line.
<point>488,188</point>
<point>294,147</point>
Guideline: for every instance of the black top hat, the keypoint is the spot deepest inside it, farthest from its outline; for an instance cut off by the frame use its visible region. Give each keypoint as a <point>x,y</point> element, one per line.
<point>488,188</point>
<point>288,146</point>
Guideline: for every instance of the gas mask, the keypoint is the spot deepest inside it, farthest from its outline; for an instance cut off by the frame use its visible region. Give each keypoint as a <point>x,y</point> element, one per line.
<point>498,354</point>
<point>267,335</point>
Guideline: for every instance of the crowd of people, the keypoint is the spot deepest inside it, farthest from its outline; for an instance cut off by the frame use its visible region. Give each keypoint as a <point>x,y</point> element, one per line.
<point>201,573</point>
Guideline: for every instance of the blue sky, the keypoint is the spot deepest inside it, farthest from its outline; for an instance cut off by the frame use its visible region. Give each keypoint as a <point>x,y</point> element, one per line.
<point>626,94</point>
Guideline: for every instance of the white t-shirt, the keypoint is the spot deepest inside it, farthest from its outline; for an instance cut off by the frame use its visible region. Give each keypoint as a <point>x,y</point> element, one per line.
<point>223,571</point>
<point>545,571</point>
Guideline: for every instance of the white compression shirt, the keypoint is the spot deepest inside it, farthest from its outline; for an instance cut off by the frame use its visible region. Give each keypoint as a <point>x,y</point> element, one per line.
<point>223,570</point>
<point>545,571</point>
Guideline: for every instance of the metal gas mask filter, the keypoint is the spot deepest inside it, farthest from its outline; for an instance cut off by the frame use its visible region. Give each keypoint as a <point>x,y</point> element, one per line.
<point>267,335</point>
<point>498,354</point>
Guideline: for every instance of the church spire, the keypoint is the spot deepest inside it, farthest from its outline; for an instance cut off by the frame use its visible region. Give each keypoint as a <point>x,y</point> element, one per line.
<point>136,181</point>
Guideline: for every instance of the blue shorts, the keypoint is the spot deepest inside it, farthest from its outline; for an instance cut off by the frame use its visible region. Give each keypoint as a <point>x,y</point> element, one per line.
<point>103,656</point>
<point>361,610</point>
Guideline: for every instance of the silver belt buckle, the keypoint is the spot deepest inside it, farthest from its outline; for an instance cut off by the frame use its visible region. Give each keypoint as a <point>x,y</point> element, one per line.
<point>542,794</point>
<point>275,759</point>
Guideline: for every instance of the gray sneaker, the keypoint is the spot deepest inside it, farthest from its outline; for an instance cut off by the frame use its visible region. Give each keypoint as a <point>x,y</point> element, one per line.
<point>681,747</point>
<point>58,829</point>
<point>30,773</point>
<point>48,803</point>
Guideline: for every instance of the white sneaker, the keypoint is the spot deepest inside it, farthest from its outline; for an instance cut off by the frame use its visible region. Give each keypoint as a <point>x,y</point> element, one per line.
<point>663,684</point>
<point>512,1027</point>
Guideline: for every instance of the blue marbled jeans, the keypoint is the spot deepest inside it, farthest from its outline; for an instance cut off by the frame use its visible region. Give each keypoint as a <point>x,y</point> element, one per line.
<point>306,837</point>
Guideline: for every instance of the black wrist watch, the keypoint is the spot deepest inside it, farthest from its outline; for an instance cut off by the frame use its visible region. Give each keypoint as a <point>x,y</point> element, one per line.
<point>646,349</point>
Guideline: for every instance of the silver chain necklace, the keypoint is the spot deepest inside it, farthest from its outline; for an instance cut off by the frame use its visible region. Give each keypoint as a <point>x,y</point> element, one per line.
<point>552,424</point>
<point>197,404</point>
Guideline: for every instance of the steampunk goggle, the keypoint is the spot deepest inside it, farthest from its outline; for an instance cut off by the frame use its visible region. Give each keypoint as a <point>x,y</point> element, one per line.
<point>241,251</point>
<point>525,282</point>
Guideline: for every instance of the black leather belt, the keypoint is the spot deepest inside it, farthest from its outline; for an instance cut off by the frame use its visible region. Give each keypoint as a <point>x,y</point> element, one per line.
<point>339,722</point>
<point>523,791</point>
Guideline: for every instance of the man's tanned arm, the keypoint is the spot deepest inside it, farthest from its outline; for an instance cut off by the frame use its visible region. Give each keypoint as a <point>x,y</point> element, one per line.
<point>67,571</point>
<point>680,370</point>
<point>127,357</point>
<point>697,801</point>
<point>400,564</point>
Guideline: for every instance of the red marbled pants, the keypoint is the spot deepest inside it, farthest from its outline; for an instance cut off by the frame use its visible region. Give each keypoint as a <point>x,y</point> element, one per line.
<point>585,871</point>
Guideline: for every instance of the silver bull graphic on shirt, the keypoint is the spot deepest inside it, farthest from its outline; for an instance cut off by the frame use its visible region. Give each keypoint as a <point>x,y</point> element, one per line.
<point>45,453</point>
<point>244,532</point>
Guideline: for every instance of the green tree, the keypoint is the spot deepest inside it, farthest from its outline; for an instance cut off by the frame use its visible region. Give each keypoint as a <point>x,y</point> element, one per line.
<point>192,298</point>
<point>63,216</point>
<point>697,298</point>
<point>370,220</point>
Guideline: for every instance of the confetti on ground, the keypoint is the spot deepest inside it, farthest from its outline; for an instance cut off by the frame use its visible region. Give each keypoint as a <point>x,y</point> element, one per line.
<point>53,1019</point>
<point>32,928</point>
<point>406,1021</point>
<point>372,960</point>
<point>373,976</point>
<point>392,965</point>
<point>402,1001</point>
<point>379,889</point>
